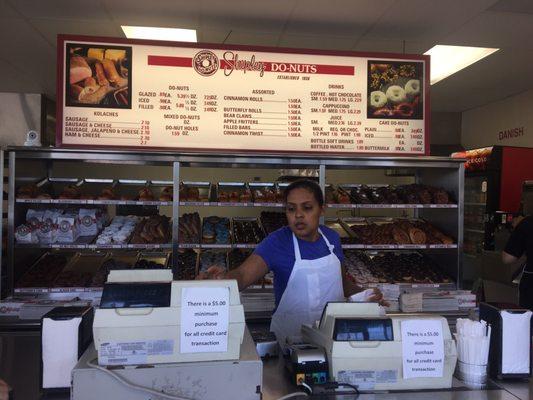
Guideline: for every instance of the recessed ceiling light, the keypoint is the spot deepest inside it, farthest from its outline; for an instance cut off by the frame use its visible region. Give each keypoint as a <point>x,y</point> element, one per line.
<point>447,60</point>
<point>147,32</point>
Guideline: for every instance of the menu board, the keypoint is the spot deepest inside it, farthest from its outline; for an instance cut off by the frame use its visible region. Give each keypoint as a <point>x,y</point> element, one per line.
<point>164,95</point>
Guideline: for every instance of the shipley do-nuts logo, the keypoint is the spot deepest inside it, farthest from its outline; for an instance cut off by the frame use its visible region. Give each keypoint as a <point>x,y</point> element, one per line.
<point>205,62</point>
<point>64,226</point>
<point>87,220</point>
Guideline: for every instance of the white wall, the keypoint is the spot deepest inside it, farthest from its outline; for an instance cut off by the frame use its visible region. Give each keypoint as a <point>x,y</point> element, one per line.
<point>507,122</point>
<point>19,113</point>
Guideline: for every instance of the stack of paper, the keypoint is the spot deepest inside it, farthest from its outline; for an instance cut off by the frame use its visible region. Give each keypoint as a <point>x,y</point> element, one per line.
<point>258,301</point>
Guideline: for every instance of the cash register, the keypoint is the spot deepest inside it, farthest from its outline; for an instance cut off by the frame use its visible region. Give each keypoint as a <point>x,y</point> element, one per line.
<point>363,347</point>
<point>139,319</point>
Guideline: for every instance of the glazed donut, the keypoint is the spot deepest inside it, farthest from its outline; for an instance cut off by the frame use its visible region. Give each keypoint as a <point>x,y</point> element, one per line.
<point>378,99</point>
<point>412,88</point>
<point>396,94</point>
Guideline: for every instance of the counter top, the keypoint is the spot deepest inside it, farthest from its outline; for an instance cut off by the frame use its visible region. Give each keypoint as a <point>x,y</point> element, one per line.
<point>276,384</point>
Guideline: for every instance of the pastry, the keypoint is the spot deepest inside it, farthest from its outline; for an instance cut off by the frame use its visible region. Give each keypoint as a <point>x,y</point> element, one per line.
<point>70,192</point>
<point>166,194</point>
<point>27,192</point>
<point>107,194</point>
<point>145,194</point>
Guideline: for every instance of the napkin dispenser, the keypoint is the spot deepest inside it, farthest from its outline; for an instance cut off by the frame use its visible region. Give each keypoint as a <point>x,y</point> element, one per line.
<point>510,343</point>
<point>66,332</point>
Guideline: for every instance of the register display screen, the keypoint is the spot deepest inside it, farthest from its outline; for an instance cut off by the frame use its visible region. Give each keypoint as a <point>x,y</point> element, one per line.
<point>135,295</point>
<point>362,330</point>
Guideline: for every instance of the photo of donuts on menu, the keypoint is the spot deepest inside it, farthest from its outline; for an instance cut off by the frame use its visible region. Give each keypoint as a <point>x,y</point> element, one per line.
<point>98,76</point>
<point>395,90</point>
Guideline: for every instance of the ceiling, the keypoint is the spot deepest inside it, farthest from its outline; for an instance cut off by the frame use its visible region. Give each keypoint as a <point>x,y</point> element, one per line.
<point>28,30</point>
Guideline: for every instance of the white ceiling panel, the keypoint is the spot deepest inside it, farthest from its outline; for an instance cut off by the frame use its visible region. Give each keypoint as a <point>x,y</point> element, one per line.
<point>336,17</point>
<point>212,35</point>
<point>245,15</point>
<point>258,39</point>
<point>319,42</point>
<point>515,6</point>
<point>380,46</point>
<point>51,28</point>
<point>496,29</point>
<point>416,19</point>
<point>61,9</point>
<point>164,13</point>
<point>7,11</point>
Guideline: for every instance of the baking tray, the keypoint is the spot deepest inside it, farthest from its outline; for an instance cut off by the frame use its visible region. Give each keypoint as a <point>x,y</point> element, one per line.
<point>224,252</point>
<point>192,244</point>
<point>43,286</point>
<point>179,275</point>
<point>333,192</point>
<point>139,227</point>
<point>334,223</point>
<point>82,266</point>
<point>52,187</point>
<point>238,220</point>
<point>159,257</point>
<point>205,193</point>
<point>128,189</point>
<point>91,189</point>
<point>263,187</point>
<point>237,193</point>
<point>217,245</point>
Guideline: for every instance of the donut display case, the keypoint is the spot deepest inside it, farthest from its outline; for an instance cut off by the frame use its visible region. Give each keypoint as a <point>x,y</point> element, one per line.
<point>185,212</point>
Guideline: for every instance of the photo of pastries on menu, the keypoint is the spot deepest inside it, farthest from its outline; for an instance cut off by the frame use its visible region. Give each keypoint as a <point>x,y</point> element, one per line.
<point>98,76</point>
<point>395,90</point>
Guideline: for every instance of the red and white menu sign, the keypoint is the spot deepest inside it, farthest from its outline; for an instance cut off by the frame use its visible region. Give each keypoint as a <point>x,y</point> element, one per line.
<point>162,95</point>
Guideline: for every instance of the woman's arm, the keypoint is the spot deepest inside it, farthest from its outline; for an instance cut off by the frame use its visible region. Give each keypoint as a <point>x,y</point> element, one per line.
<point>508,258</point>
<point>249,272</point>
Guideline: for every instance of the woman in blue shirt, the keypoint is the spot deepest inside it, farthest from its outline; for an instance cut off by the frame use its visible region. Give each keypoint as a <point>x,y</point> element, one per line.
<point>306,259</point>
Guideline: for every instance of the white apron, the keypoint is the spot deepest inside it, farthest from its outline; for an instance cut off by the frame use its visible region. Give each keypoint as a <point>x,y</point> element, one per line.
<point>311,285</point>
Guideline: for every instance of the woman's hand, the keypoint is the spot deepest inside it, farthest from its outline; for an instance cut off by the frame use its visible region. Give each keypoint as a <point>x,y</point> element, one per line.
<point>214,272</point>
<point>378,297</point>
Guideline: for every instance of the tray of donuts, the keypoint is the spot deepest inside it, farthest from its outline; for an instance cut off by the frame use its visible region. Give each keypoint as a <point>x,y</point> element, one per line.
<point>233,193</point>
<point>397,233</point>
<point>50,190</point>
<point>335,224</point>
<point>138,191</point>
<point>247,232</point>
<point>216,232</point>
<point>187,264</point>
<point>337,195</point>
<point>266,193</point>
<point>195,193</point>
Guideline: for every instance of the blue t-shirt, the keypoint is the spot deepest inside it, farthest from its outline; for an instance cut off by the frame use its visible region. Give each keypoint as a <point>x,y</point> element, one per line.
<point>277,250</point>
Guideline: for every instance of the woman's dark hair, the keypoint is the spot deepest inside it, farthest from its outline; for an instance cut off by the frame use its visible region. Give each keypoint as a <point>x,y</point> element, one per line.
<point>308,185</point>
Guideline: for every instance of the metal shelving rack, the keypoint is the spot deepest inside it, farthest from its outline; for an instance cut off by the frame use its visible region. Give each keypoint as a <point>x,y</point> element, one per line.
<point>444,172</point>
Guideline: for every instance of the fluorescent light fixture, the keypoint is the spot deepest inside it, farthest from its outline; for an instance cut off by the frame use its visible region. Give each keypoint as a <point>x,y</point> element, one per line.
<point>147,32</point>
<point>447,60</point>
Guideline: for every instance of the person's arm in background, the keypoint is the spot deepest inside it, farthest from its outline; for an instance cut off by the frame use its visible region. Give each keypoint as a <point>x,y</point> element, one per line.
<point>249,272</point>
<point>4,390</point>
<point>516,245</point>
